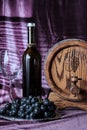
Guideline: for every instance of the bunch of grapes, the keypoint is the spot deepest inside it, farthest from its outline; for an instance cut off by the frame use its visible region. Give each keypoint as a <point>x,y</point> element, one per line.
<point>29,108</point>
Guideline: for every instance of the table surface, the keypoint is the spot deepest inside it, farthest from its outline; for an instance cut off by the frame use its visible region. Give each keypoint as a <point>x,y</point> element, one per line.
<point>72,119</point>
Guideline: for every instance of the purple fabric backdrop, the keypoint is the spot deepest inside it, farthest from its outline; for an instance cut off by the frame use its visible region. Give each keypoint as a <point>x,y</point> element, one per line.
<point>55,21</point>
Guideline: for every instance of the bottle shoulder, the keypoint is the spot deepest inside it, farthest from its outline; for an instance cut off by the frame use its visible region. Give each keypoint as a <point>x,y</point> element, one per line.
<point>32,51</point>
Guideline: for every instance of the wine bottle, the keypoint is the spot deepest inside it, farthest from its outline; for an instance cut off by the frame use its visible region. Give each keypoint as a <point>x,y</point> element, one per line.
<point>31,66</point>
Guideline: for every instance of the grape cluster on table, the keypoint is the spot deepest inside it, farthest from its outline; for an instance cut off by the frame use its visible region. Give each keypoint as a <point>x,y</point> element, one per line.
<point>29,108</point>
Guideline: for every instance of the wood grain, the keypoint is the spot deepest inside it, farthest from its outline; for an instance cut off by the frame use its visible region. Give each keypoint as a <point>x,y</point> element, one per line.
<point>62,104</point>
<point>65,60</point>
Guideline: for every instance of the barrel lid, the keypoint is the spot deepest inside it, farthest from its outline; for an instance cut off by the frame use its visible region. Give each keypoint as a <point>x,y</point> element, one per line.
<point>66,69</point>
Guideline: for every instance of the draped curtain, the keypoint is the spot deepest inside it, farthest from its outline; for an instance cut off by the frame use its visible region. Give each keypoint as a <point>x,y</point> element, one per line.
<point>55,20</point>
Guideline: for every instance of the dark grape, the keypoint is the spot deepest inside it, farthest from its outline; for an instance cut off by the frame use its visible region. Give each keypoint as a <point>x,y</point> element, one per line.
<point>51,107</point>
<point>43,108</point>
<point>47,114</point>
<point>8,112</point>
<point>34,99</point>
<point>27,116</point>
<point>32,115</point>
<point>46,102</point>
<point>2,111</point>
<point>23,100</point>
<point>14,112</point>
<point>8,106</point>
<point>21,114</point>
<point>29,108</point>
<point>28,101</point>
<point>33,105</point>
<point>16,101</point>
<point>14,106</point>
<point>11,113</point>
<point>37,110</point>
<point>23,105</point>
<point>30,97</point>
<point>37,104</point>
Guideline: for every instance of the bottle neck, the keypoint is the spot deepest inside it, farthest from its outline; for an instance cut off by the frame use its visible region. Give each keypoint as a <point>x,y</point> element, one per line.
<point>31,35</point>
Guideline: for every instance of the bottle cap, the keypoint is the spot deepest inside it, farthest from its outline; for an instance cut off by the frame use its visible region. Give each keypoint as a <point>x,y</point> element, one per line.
<point>31,24</point>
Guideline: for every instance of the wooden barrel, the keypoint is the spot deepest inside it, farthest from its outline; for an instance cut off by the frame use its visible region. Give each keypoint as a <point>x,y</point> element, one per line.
<point>66,69</point>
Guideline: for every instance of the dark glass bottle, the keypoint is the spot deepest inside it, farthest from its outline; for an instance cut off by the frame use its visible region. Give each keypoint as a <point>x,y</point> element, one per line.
<point>31,66</point>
